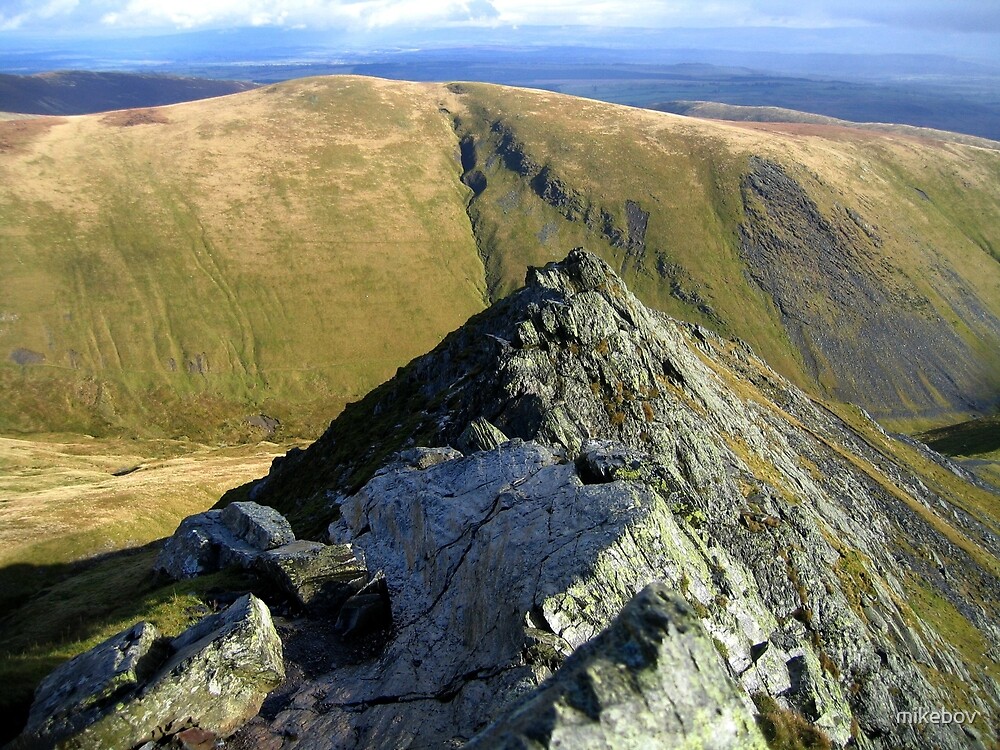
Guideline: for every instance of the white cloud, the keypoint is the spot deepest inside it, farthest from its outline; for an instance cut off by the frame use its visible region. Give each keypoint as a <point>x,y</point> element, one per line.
<point>980,15</point>
<point>361,13</point>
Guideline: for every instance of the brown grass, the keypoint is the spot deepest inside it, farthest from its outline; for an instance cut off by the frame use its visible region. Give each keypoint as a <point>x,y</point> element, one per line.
<point>18,135</point>
<point>129,117</point>
<point>62,503</point>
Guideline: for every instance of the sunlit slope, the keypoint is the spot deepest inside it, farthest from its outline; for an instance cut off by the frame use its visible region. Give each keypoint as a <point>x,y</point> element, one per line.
<point>174,271</point>
<point>861,263</point>
<point>177,269</point>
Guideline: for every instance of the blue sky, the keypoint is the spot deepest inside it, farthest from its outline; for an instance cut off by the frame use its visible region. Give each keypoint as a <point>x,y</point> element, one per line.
<point>109,17</point>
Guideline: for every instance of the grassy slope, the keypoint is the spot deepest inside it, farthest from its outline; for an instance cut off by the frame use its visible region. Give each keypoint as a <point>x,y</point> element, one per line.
<point>77,543</point>
<point>281,250</point>
<point>299,239</point>
<point>284,250</point>
<point>686,173</point>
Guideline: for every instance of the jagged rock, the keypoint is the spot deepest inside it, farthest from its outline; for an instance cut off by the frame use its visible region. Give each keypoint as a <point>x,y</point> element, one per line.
<point>259,526</point>
<point>480,435</point>
<point>315,575</point>
<point>137,687</point>
<point>776,520</point>
<point>652,679</point>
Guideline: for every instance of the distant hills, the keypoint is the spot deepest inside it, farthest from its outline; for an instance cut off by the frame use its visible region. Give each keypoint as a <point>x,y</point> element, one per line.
<point>742,113</point>
<point>82,92</point>
<point>187,269</point>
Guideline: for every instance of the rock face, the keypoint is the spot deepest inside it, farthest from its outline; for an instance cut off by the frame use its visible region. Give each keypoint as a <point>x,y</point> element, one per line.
<point>641,450</point>
<point>616,690</point>
<point>798,256</point>
<point>138,687</point>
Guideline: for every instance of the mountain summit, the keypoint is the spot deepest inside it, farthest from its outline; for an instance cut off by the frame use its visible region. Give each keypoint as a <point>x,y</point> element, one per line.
<point>515,487</point>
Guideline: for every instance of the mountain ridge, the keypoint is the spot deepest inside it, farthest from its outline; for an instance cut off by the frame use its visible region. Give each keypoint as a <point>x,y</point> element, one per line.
<point>640,448</point>
<point>79,92</point>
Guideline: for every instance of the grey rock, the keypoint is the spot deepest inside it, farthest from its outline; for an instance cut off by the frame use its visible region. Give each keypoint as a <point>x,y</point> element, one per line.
<point>652,679</point>
<point>480,435</point>
<point>259,526</point>
<point>315,575</point>
<point>216,539</point>
<point>78,691</point>
<point>193,549</point>
<point>214,676</point>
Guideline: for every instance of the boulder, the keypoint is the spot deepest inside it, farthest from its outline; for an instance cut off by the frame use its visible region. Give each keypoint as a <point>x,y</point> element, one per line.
<point>137,687</point>
<point>315,575</point>
<point>193,549</point>
<point>651,679</point>
<point>203,544</point>
<point>75,694</point>
<point>216,539</point>
<point>259,526</point>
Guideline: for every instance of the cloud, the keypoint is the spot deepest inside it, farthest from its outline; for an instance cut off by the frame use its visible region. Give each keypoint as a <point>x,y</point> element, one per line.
<point>956,15</point>
<point>24,12</point>
<point>188,14</point>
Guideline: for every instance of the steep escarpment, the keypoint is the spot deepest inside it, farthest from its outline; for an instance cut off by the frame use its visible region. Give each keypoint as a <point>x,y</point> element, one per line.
<point>833,290</point>
<point>603,446</point>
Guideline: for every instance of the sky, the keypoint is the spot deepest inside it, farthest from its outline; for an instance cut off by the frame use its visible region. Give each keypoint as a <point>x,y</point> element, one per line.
<point>113,17</point>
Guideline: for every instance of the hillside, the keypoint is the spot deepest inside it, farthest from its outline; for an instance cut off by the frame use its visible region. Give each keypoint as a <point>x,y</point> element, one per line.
<point>185,269</point>
<point>77,92</point>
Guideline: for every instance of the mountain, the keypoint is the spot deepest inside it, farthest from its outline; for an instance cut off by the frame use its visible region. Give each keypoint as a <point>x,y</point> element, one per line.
<point>843,576</point>
<point>261,259</point>
<point>78,92</point>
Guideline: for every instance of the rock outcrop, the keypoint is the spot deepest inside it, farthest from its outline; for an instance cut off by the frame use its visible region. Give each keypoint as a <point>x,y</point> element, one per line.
<point>215,539</point>
<point>139,687</point>
<point>618,690</point>
<point>641,449</point>
<point>258,538</point>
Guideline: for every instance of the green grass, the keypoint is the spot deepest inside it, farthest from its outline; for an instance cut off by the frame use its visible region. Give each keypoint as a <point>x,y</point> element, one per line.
<point>281,252</point>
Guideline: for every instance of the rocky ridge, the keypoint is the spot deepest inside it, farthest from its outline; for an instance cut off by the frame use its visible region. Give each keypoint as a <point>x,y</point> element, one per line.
<point>514,489</point>
<point>638,449</point>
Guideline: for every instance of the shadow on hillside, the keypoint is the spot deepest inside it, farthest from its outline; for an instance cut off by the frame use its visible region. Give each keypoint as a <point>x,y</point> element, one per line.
<point>50,607</point>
